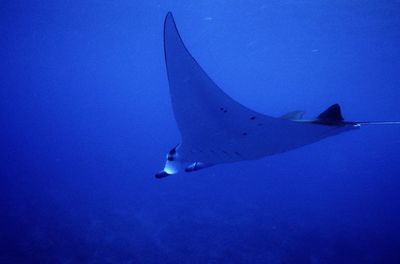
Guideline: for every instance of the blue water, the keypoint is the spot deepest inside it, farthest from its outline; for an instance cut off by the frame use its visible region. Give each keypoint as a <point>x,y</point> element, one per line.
<point>86,121</point>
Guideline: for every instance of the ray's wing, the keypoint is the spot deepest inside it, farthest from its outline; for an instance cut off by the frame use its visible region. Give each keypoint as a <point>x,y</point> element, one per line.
<point>199,105</point>
<point>214,127</point>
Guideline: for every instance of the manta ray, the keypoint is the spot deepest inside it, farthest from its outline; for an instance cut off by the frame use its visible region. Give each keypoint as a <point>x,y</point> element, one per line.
<point>216,129</point>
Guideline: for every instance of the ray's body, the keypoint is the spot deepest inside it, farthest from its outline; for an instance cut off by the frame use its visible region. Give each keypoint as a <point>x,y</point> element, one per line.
<point>216,129</point>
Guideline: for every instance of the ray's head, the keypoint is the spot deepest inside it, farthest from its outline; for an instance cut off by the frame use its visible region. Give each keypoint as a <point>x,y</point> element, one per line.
<point>173,164</point>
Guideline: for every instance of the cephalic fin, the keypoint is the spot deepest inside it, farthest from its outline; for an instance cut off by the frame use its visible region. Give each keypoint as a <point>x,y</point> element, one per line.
<point>195,166</point>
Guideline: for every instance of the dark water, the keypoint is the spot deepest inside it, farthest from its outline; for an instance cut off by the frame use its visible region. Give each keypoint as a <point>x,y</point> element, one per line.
<point>86,122</point>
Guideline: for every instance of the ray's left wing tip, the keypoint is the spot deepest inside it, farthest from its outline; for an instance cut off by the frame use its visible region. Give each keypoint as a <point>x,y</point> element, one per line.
<point>169,17</point>
<point>169,25</point>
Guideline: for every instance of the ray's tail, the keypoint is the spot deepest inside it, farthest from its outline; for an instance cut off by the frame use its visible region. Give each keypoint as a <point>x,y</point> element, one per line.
<point>378,123</point>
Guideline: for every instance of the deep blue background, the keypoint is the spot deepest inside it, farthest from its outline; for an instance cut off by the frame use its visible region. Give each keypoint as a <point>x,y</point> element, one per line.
<point>86,122</point>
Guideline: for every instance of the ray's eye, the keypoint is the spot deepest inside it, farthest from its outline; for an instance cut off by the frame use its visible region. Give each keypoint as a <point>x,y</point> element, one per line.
<point>253,117</point>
